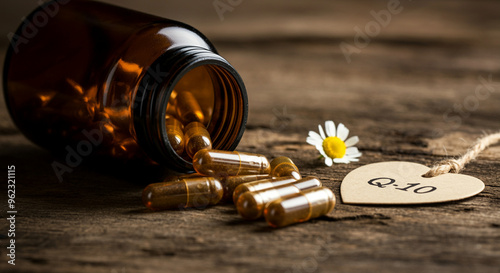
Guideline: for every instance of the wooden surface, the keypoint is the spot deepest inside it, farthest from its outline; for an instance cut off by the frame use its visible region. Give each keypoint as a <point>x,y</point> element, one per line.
<point>398,95</point>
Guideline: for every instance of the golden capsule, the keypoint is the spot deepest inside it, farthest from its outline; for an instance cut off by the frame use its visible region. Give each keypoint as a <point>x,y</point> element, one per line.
<point>171,105</point>
<point>125,149</point>
<point>261,185</point>
<point>74,111</point>
<point>175,133</point>
<point>251,205</point>
<point>299,207</point>
<point>175,178</point>
<point>187,107</point>
<point>119,117</point>
<point>283,166</point>
<point>197,138</point>
<point>189,192</point>
<point>232,182</point>
<point>105,129</point>
<point>224,163</point>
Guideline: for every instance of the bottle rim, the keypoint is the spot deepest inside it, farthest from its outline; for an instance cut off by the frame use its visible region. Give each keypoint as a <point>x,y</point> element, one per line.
<point>152,96</point>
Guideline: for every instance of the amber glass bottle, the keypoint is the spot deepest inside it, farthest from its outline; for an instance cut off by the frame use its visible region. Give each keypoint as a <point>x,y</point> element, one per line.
<point>88,71</point>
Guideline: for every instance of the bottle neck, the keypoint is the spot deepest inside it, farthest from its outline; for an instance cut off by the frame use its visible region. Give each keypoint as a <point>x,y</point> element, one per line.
<point>229,109</point>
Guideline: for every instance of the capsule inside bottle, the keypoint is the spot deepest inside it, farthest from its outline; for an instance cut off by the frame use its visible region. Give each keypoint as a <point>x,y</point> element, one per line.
<point>106,129</point>
<point>224,163</point>
<point>232,182</point>
<point>300,207</point>
<point>175,133</point>
<point>197,138</point>
<point>196,192</point>
<point>119,117</point>
<point>187,107</point>
<point>261,185</point>
<point>171,105</point>
<point>125,149</point>
<point>284,166</point>
<point>251,205</point>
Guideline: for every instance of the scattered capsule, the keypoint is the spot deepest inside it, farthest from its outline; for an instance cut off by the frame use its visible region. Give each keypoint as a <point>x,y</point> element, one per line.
<point>187,107</point>
<point>251,205</point>
<point>189,192</point>
<point>224,163</point>
<point>197,138</point>
<point>300,207</point>
<point>283,166</point>
<point>261,185</point>
<point>176,178</point>
<point>232,182</point>
<point>175,133</point>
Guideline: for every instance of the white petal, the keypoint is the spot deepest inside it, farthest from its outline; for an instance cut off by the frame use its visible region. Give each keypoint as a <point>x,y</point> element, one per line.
<point>321,151</point>
<point>328,161</point>
<point>310,141</point>
<point>342,132</point>
<point>314,141</point>
<point>351,150</point>
<point>330,128</point>
<point>321,132</point>
<point>345,160</point>
<point>351,158</point>
<point>352,141</point>
<point>353,155</point>
<point>341,160</point>
<point>315,135</point>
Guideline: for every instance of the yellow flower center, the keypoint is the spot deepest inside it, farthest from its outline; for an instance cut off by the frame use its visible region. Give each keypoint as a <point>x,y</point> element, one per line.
<point>334,147</point>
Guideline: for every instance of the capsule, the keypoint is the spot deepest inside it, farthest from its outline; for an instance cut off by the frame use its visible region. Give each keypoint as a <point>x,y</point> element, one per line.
<point>283,166</point>
<point>106,129</point>
<point>299,207</point>
<point>261,185</point>
<point>187,107</point>
<point>251,205</point>
<point>175,133</point>
<point>171,105</point>
<point>125,149</point>
<point>119,117</point>
<point>197,138</point>
<point>224,163</point>
<point>232,182</point>
<point>74,111</point>
<point>175,178</point>
<point>196,192</point>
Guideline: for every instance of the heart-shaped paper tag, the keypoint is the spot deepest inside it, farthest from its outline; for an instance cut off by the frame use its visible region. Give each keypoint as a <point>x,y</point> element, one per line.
<point>398,182</point>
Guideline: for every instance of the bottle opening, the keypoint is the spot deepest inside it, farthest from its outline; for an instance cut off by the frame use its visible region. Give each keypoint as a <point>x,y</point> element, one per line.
<point>201,87</point>
<point>192,98</point>
<point>207,94</point>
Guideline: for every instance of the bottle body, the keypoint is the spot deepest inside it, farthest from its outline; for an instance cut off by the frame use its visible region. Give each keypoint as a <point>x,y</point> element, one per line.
<point>108,72</point>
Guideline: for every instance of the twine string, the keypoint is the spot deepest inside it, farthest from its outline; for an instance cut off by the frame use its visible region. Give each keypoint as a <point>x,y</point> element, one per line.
<point>456,165</point>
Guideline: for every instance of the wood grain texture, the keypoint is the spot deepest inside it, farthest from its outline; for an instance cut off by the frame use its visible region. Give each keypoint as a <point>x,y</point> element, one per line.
<point>401,95</point>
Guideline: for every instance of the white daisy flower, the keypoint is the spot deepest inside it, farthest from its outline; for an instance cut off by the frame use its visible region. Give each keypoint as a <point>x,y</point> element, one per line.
<point>333,146</point>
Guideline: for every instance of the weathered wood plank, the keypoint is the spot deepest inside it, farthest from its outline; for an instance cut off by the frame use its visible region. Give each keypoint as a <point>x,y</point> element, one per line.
<point>399,95</point>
